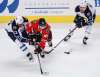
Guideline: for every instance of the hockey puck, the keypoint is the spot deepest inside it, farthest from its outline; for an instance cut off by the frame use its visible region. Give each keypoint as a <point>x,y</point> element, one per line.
<point>67,52</point>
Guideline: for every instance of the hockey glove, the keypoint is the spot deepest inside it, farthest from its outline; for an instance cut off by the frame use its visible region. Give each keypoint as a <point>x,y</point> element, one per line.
<point>38,50</point>
<point>80,21</point>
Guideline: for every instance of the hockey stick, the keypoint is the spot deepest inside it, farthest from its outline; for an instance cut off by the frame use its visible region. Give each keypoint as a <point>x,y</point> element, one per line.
<point>61,40</point>
<point>41,70</point>
<point>39,64</point>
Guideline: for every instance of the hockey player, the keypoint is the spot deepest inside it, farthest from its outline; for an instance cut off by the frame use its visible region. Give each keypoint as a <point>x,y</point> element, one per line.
<point>85,16</point>
<point>39,33</point>
<point>16,31</point>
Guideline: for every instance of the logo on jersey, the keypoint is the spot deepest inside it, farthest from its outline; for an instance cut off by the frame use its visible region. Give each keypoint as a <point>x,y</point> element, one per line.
<point>11,7</point>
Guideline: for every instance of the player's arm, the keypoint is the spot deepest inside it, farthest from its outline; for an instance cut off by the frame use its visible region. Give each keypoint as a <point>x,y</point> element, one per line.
<point>41,45</point>
<point>17,34</point>
<point>43,40</point>
<point>90,18</point>
<point>94,17</point>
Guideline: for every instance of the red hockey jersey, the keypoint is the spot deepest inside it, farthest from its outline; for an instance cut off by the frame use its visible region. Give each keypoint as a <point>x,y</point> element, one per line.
<point>34,28</point>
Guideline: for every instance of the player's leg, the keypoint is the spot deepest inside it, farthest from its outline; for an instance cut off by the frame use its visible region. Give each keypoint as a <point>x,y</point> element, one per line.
<point>25,49</point>
<point>50,39</point>
<point>87,33</point>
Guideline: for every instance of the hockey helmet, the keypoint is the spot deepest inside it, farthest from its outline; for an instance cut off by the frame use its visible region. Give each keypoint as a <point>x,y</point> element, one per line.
<point>42,22</point>
<point>19,20</point>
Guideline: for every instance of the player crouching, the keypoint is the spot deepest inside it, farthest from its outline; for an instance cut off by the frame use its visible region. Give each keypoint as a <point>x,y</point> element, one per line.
<point>39,33</point>
<point>16,30</point>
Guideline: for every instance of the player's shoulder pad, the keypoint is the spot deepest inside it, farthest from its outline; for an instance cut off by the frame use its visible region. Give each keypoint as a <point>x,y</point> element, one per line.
<point>14,23</point>
<point>25,19</point>
<point>77,9</point>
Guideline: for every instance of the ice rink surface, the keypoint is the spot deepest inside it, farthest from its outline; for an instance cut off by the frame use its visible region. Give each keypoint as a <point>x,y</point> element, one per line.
<point>84,61</point>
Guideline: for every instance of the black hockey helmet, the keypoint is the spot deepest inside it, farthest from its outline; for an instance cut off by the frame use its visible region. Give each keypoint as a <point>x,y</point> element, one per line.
<point>42,22</point>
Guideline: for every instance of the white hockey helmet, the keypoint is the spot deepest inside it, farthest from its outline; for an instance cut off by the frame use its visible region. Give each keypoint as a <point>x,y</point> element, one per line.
<point>83,4</point>
<point>19,20</point>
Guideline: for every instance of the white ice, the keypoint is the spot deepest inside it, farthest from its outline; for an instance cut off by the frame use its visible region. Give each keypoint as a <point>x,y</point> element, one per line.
<point>84,61</point>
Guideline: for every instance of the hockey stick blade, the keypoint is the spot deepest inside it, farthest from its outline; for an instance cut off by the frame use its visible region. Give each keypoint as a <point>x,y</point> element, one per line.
<point>45,73</point>
<point>48,52</point>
